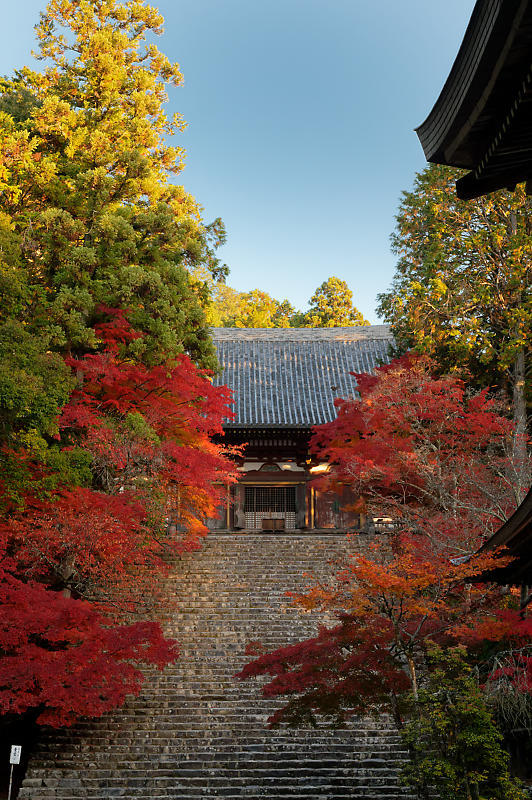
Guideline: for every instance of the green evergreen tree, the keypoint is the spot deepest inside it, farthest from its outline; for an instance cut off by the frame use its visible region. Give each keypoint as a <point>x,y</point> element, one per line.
<point>86,184</point>
<point>456,750</point>
<point>90,218</point>
<point>462,290</point>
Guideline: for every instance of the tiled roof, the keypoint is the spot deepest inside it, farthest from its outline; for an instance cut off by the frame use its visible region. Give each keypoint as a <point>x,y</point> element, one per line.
<point>291,376</point>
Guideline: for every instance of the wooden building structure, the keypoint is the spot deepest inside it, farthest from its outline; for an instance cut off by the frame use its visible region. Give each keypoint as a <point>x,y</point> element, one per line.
<point>284,381</point>
<point>482,119</point>
<point>516,537</point>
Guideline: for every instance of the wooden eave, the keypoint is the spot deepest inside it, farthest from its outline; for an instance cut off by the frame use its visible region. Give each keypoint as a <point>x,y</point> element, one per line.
<point>482,120</point>
<point>287,440</point>
<point>516,536</point>
<point>280,478</point>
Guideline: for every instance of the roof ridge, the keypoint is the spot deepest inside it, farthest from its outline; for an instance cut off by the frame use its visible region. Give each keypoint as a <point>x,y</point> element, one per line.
<point>352,333</point>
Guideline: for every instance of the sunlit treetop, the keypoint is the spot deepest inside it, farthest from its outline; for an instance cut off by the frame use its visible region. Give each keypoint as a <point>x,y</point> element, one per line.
<point>86,177</point>
<point>103,91</point>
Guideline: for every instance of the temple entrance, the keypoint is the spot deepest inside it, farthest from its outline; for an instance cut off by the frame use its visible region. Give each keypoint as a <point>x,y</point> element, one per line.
<point>270,508</point>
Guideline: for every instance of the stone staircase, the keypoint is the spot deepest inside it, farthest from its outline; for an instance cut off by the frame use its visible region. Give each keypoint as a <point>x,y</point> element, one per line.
<point>195,732</point>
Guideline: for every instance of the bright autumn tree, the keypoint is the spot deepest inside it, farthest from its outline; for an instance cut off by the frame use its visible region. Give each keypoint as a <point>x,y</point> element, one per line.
<point>391,609</point>
<point>228,308</point>
<point>433,457</point>
<point>426,451</point>
<point>87,183</point>
<point>106,419</point>
<point>89,214</point>
<point>461,291</point>
<point>62,659</point>
<point>256,309</point>
<point>331,306</point>
<point>147,432</point>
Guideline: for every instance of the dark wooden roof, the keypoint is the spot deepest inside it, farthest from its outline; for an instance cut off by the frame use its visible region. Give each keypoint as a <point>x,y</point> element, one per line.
<point>289,377</point>
<point>482,120</point>
<point>516,536</point>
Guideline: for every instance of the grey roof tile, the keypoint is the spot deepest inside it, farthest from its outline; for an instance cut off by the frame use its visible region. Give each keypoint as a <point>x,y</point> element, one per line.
<point>291,376</point>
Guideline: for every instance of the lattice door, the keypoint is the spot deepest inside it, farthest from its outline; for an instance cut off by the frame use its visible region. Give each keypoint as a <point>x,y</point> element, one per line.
<point>270,507</point>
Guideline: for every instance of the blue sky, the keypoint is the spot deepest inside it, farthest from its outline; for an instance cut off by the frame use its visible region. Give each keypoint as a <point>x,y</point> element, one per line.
<point>300,126</point>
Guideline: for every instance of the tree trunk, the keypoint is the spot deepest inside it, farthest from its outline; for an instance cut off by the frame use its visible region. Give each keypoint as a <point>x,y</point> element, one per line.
<point>399,724</point>
<point>413,676</point>
<point>520,438</point>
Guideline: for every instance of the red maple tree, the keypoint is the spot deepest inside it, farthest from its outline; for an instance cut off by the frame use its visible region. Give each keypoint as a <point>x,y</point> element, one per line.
<point>433,458</point>
<point>63,659</point>
<point>150,429</point>
<point>425,452</point>
<point>83,567</point>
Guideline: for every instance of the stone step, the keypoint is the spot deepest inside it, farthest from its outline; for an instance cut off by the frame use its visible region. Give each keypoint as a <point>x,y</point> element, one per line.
<point>193,744</point>
<point>225,762</point>
<point>236,777</point>
<point>308,791</point>
<point>195,731</point>
<point>211,733</point>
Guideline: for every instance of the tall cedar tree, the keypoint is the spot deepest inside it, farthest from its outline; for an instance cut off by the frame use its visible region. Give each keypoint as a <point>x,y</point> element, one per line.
<point>106,422</point>
<point>85,182</point>
<point>462,288</point>
<point>432,457</point>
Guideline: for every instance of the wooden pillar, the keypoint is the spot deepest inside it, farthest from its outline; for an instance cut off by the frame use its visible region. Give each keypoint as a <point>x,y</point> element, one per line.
<point>301,505</point>
<point>228,507</point>
<point>239,516</point>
